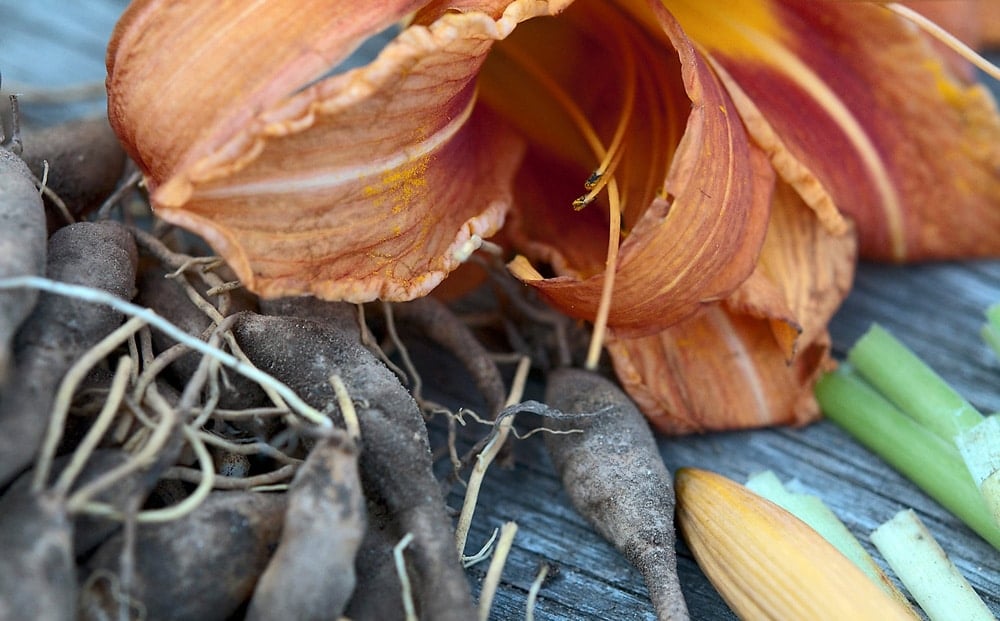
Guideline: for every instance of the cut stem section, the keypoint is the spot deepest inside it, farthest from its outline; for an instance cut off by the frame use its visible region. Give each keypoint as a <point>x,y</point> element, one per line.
<point>991,329</point>
<point>911,385</point>
<point>926,571</point>
<point>907,446</point>
<point>980,448</point>
<point>920,393</point>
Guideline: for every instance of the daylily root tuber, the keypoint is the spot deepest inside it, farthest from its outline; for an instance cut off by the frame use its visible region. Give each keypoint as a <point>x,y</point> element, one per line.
<point>101,255</point>
<point>22,246</point>
<point>614,476</point>
<point>81,162</point>
<point>437,323</point>
<point>311,575</point>
<point>170,297</point>
<point>37,568</point>
<point>201,566</point>
<point>395,454</point>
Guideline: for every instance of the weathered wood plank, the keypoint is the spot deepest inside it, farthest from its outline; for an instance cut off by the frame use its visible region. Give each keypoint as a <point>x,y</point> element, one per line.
<point>47,44</point>
<point>936,309</point>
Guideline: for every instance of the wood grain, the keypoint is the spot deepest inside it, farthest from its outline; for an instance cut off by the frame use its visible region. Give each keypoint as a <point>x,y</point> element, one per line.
<point>935,308</point>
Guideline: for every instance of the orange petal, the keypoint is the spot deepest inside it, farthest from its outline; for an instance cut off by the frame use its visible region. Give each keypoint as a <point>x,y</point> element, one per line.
<point>718,371</point>
<point>751,360</point>
<point>696,190</point>
<point>962,19</point>
<point>803,274</point>
<point>989,17</point>
<point>375,182</point>
<point>859,97</point>
<point>185,75</point>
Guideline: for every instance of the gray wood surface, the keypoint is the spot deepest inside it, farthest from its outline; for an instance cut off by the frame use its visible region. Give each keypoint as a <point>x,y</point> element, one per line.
<point>935,308</point>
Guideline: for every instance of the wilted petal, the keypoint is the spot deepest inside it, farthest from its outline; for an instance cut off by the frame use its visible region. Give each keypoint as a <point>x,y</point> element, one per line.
<point>807,267</point>
<point>697,191</point>
<point>717,371</point>
<point>371,183</point>
<point>751,360</point>
<point>758,297</point>
<point>858,95</point>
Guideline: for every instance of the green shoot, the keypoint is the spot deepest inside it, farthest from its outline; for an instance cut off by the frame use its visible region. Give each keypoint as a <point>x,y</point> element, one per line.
<point>991,329</point>
<point>980,448</point>
<point>932,463</point>
<point>926,571</point>
<point>911,385</point>
<point>814,512</point>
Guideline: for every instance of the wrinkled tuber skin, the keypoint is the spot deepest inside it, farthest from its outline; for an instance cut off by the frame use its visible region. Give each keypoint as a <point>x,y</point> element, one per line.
<point>200,567</point>
<point>615,477</point>
<point>100,255</point>
<point>22,246</point>
<point>37,570</point>
<point>395,454</point>
<point>311,575</point>
<point>85,162</point>
<point>377,596</point>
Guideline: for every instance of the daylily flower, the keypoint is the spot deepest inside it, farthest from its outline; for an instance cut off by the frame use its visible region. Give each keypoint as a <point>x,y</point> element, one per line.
<point>719,150</point>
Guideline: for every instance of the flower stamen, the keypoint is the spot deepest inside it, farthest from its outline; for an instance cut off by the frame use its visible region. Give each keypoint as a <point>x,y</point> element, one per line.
<point>599,179</point>
<point>593,179</point>
<point>609,157</point>
<point>610,267</point>
<point>606,170</point>
<point>613,155</point>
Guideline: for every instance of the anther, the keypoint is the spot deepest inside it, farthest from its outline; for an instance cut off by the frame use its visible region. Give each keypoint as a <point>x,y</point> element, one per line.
<point>593,179</point>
